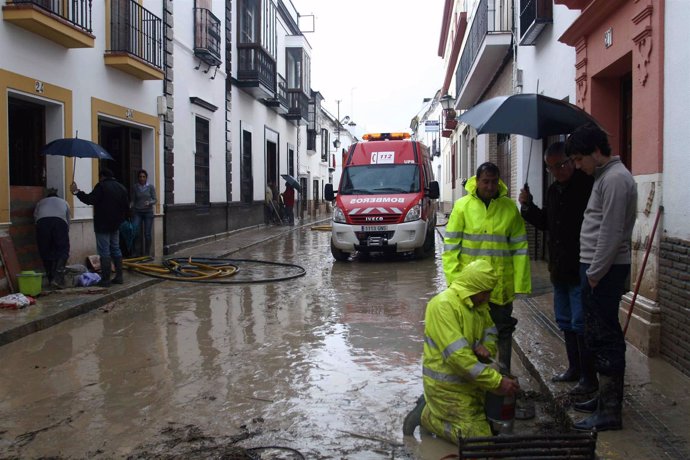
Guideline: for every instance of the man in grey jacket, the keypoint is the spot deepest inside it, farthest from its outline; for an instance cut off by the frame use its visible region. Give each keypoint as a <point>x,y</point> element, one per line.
<point>604,268</point>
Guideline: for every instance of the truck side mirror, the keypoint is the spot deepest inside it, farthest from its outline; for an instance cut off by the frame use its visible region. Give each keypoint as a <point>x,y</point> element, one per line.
<point>433,192</point>
<point>328,192</point>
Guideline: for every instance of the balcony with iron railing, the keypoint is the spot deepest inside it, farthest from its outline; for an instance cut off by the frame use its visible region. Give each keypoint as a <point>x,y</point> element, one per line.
<point>136,40</point>
<point>534,16</point>
<point>67,23</point>
<point>486,46</point>
<point>207,36</point>
<point>256,71</point>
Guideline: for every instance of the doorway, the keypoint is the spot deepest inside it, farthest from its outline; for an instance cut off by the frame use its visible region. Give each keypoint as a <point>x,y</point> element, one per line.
<point>124,145</point>
<point>26,129</point>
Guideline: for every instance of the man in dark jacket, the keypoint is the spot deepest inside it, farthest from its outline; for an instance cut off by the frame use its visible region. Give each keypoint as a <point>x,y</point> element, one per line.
<point>110,203</point>
<point>561,217</point>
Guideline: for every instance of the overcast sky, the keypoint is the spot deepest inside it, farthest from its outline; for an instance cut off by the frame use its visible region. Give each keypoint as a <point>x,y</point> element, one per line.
<point>378,57</point>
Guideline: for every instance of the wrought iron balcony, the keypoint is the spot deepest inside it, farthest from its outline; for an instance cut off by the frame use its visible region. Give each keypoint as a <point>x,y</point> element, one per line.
<point>207,36</point>
<point>485,49</point>
<point>256,71</point>
<point>65,22</point>
<point>136,44</point>
<point>534,16</point>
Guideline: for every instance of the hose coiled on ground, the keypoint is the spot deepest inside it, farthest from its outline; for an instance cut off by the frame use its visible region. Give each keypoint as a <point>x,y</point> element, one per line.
<point>213,270</point>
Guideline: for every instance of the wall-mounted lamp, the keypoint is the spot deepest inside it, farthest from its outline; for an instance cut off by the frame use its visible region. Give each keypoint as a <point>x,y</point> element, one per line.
<point>447,102</point>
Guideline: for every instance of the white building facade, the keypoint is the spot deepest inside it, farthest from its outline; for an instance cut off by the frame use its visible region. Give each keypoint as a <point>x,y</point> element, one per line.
<point>68,69</point>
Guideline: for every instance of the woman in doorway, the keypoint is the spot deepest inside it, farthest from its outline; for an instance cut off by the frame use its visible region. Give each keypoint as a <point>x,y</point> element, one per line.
<point>144,197</point>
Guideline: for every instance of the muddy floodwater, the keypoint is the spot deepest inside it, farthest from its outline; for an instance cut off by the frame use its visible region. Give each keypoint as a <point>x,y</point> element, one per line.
<point>322,366</point>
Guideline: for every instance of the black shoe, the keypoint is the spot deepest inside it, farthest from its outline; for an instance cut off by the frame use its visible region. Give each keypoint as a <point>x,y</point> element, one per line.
<point>414,418</point>
<point>599,421</point>
<point>587,407</point>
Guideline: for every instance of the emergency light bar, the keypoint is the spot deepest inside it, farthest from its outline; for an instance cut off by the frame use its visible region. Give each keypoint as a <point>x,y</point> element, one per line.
<point>386,136</point>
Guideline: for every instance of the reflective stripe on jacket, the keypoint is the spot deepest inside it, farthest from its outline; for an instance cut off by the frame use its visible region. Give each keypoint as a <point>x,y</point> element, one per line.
<point>496,234</point>
<point>455,381</point>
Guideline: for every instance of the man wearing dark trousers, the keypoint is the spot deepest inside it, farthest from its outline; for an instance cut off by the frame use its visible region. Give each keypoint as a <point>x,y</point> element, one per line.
<point>110,203</point>
<point>605,258</point>
<point>561,217</point>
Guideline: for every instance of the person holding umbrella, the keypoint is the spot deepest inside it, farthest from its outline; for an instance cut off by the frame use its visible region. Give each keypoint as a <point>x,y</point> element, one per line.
<point>111,206</point>
<point>561,217</point>
<point>289,202</point>
<point>52,218</point>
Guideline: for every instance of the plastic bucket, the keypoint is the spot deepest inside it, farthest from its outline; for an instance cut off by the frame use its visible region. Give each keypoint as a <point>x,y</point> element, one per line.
<point>30,282</point>
<point>500,410</point>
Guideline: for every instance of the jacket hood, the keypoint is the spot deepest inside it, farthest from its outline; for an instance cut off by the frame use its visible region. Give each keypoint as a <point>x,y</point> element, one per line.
<point>471,187</point>
<point>477,276</point>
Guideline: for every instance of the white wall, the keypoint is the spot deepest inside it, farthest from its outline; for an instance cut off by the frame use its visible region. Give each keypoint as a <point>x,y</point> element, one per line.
<point>541,75</point>
<point>676,121</point>
<point>192,82</point>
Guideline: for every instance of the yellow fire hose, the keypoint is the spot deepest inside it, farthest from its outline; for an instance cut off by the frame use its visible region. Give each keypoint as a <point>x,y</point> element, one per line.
<point>211,270</point>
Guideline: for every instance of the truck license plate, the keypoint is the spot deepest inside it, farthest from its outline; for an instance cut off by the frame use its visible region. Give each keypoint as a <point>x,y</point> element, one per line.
<point>374,228</point>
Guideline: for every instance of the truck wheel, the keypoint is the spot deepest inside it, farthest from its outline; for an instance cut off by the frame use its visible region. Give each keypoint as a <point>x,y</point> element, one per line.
<point>340,256</point>
<point>429,247</point>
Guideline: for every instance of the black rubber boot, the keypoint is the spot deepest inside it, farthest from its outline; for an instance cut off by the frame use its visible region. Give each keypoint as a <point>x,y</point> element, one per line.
<point>572,374</point>
<point>118,271</point>
<point>588,406</point>
<point>505,351</point>
<point>414,418</point>
<point>105,272</point>
<point>588,375</point>
<point>59,276</point>
<point>608,414</point>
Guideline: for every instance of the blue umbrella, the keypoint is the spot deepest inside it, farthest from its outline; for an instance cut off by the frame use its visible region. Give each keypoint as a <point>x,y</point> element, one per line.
<point>77,148</point>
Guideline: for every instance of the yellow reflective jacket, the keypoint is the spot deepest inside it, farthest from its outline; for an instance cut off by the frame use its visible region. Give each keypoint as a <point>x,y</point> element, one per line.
<point>455,381</point>
<point>496,234</point>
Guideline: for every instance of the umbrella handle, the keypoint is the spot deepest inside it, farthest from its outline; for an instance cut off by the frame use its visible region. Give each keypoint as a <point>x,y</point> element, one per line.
<point>74,168</point>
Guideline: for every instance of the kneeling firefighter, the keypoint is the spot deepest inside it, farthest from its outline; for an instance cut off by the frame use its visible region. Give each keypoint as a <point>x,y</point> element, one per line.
<point>458,335</point>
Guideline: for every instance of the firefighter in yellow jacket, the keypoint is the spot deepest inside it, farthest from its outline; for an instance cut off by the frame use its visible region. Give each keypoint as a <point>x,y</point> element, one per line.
<point>459,337</point>
<point>486,225</point>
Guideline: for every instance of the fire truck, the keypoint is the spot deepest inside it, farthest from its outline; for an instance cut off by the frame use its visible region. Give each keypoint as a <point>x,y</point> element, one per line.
<point>386,200</point>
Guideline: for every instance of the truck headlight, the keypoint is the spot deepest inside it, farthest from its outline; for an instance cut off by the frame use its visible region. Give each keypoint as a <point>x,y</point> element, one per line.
<point>338,215</point>
<point>415,213</point>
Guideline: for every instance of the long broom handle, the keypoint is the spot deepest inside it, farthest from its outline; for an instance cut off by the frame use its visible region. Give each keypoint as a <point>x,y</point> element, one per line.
<point>641,272</point>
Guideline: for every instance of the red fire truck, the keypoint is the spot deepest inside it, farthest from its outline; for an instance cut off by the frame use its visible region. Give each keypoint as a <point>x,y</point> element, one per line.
<point>386,200</point>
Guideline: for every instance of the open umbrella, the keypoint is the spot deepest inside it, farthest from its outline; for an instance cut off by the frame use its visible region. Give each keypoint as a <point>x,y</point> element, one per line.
<point>529,114</point>
<point>76,148</point>
<point>292,182</point>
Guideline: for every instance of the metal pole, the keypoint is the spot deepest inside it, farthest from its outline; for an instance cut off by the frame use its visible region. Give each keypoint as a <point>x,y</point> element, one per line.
<point>641,271</point>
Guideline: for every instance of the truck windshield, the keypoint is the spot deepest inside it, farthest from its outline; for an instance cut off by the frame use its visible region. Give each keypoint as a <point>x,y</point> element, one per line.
<point>380,179</point>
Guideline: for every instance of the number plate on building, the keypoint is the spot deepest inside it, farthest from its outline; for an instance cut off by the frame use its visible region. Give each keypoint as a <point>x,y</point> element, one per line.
<point>374,228</point>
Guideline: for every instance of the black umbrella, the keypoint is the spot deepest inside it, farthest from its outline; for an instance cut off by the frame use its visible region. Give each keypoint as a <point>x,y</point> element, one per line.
<point>76,148</point>
<point>531,115</point>
<point>292,182</point>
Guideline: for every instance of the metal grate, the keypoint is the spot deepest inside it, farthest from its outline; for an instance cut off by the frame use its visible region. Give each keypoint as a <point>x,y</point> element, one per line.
<point>553,446</point>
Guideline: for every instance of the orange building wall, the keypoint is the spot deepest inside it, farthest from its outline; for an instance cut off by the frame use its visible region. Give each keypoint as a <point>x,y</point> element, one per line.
<point>637,30</point>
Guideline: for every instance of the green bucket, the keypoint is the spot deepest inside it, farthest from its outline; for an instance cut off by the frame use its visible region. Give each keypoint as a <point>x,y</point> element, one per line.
<point>30,282</point>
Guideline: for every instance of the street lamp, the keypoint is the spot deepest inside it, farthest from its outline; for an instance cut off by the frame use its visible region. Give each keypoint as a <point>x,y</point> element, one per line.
<point>336,143</point>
